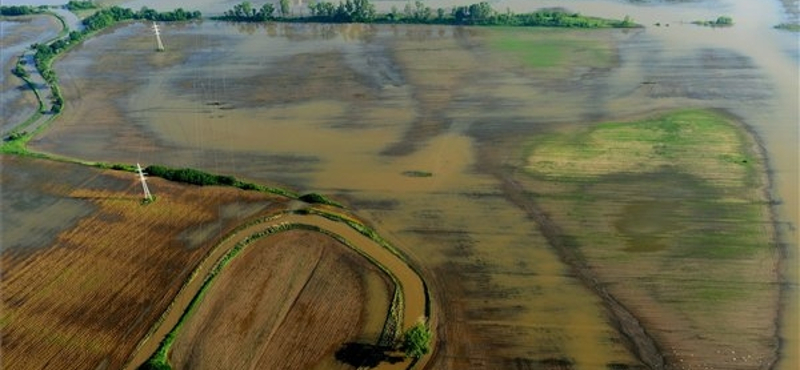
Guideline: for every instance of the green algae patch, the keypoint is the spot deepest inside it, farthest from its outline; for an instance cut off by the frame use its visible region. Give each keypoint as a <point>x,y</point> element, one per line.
<point>553,49</point>
<point>672,214</point>
<point>700,142</point>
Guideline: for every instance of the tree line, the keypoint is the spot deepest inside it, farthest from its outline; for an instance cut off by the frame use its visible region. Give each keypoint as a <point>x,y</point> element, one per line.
<point>16,10</point>
<point>363,11</point>
<point>45,53</point>
<point>75,5</point>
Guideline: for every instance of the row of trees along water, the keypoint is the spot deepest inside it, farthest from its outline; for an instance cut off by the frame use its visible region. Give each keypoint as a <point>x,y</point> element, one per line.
<point>45,53</point>
<point>363,11</point>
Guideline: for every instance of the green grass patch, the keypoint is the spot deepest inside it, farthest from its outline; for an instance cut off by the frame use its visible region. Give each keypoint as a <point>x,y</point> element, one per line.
<point>700,142</point>
<point>552,49</point>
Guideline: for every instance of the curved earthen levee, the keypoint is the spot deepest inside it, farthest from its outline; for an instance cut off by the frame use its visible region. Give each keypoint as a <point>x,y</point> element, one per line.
<point>415,298</point>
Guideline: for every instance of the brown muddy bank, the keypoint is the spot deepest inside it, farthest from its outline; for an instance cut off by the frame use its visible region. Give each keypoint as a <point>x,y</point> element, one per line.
<point>350,109</point>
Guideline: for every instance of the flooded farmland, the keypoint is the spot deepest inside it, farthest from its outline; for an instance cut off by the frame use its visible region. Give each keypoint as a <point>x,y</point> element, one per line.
<point>428,131</point>
<point>17,102</point>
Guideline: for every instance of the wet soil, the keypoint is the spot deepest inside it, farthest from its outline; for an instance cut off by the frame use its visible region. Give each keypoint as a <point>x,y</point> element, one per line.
<point>127,259</point>
<point>438,100</point>
<point>264,304</point>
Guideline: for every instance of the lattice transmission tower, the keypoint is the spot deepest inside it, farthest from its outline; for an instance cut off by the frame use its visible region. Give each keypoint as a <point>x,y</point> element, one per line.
<point>147,196</point>
<point>157,31</point>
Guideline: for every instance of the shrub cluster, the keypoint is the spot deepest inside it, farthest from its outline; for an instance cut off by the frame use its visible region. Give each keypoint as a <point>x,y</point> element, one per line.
<point>75,5</point>
<point>201,178</point>
<point>191,176</point>
<point>15,10</point>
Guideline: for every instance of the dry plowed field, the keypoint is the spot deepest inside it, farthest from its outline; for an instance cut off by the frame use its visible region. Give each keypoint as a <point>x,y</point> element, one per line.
<point>289,301</point>
<point>87,293</point>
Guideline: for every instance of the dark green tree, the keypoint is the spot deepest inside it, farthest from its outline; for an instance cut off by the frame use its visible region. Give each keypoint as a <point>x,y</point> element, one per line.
<point>416,341</point>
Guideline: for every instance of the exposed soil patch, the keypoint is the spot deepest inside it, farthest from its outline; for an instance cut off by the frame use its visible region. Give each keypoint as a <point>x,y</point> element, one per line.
<point>125,258</point>
<point>290,300</point>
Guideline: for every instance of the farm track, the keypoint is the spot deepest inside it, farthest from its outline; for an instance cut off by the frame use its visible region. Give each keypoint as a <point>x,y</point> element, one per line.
<point>413,289</point>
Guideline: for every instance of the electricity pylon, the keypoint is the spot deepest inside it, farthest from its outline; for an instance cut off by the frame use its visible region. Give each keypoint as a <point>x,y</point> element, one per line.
<point>160,46</point>
<point>147,196</point>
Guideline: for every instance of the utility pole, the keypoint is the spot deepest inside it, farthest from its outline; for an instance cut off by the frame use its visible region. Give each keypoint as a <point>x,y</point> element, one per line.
<point>147,196</point>
<point>160,46</point>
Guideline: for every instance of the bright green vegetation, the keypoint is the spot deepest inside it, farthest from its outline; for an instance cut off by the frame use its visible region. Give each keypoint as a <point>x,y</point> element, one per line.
<point>676,190</point>
<point>416,341</point>
<point>548,50</point>
<point>670,212</point>
<point>699,142</point>
<point>721,21</point>
<point>20,71</point>
<point>76,5</point>
<point>362,11</point>
<point>794,27</point>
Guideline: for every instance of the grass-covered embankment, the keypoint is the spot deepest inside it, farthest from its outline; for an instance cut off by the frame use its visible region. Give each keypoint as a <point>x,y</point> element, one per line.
<point>672,215</point>
<point>394,321</point>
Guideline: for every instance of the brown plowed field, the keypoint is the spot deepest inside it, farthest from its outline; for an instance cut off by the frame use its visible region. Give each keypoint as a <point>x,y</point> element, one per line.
<point>289,301</point>
<point>86,298</point>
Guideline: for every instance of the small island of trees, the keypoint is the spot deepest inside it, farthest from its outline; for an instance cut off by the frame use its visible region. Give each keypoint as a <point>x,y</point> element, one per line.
<point>721,21</point>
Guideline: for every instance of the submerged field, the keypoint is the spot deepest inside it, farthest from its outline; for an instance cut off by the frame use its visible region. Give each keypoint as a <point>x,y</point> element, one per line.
<point>565,207</point>
<point>671,214</point>
<point>17,102</point>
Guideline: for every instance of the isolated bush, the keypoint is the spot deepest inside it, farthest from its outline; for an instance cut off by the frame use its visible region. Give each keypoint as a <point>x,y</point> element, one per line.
<point>416,341</point>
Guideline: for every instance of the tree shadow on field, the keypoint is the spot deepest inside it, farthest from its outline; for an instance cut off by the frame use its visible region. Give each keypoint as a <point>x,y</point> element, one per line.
<point>365,355</point>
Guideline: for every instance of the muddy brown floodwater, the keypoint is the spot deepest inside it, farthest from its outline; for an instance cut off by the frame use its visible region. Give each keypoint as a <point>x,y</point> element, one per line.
<point>361,112</point>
